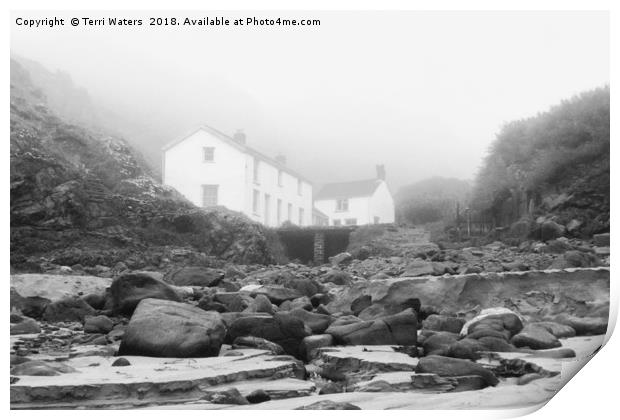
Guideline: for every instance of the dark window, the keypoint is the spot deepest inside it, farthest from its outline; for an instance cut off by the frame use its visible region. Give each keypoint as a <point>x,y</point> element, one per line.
<point>342,204</point>
<point>209,195</point>
<point>208,154</point>
<point>350,222</point>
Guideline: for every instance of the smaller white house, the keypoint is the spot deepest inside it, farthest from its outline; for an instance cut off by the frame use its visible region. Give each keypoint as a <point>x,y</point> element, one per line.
<point>357,202</point>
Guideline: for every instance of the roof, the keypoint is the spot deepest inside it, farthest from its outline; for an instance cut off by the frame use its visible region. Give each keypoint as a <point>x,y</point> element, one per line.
<point>319,213</point>
<point>364,188</point>
<point>241,147</point>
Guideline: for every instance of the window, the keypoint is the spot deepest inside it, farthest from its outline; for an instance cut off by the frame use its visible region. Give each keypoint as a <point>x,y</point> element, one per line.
<point>266,209</point>
<point>209,195</point>
<point>301,216</point>
<point>256,167</point>
<point>279,212</point>
<point>342,204</point>
<point>350,222</point>
<point>208,154</point>
<point>299,186</point>
<point>376,219</point>
<point>337,222</point>
<point>280,178</point>
<point>255,203</point>
<point>290,212</point>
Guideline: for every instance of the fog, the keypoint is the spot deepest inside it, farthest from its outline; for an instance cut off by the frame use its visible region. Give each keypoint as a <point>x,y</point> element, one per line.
<point>422,92</point>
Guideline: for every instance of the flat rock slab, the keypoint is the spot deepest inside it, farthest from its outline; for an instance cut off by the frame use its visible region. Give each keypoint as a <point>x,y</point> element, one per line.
<point>158,380</point>
<point>381,358</point>
<point>55,287</point>
<point>276,389</point>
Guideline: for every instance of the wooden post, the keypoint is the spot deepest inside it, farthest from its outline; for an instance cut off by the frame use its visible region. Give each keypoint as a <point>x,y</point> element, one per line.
<point>319,248</point>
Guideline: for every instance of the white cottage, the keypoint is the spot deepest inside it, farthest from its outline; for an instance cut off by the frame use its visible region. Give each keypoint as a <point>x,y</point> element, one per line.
<point>210,168</point>
<point>357,202</point>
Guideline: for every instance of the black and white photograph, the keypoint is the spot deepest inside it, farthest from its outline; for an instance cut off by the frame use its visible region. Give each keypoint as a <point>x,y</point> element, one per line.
<point>306,208</point>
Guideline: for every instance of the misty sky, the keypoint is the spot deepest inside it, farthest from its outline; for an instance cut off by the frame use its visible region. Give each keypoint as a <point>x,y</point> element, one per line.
<point>423,92</point>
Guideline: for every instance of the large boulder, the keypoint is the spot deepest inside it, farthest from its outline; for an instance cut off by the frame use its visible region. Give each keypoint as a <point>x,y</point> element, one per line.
<point>276,294</point>
<point>31,306</point>
<point>555,328</point>
<point>234,301</point>
<point>394,329</point>
<point>443,323</point>
<point>439,343</point>
<point>452,367</point>
<point>25,326</point>
<point>318,323</point>
<point>164,328</point>
<point>501,320</point>
<point>100,324</point>
<point>281,328</point>
<point>129,289</point>
<point>68,310</point>
<point>584,325</point>
<point>195,276</point>
<point>536,338</point>
<point>311,344</point>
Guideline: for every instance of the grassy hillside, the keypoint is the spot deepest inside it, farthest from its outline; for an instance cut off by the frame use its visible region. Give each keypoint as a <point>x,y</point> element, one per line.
<point>555,164</point>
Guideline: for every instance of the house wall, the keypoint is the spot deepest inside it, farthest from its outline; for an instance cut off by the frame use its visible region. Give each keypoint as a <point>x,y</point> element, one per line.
<point>364,209</point>
<point>287,192</point>
<point>358,209</point>
<point>382,205</point>
<point>185,170</point>
<point>232,170</point>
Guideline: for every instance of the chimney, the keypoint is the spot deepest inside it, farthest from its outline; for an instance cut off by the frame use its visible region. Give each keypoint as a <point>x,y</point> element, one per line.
<point>281,159</point>
<point>381,172</point>
<point>239,136</point>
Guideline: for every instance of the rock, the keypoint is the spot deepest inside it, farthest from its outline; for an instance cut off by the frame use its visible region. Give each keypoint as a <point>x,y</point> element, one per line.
<point>25,326</point>
<point>498,319</point>
<point>307,287</point>
<point>418,268</point>
<point>466,348</point>
<point>98,324</point>
<point>41,368</point>
<point>195,276</point>
<point>96,300</point>
<point>556,329</point>
<point>331,388</point>
<point>329,405</point>
<point>360,303</point>
<point>559,353</point>
<point>128,290</point>
<point>546,230</point>
<point>451,367</point>
<point>496,344</point>
<point>282,329</point>
<point>343,258</point>
<point>310,345</point>
<point>536,338</point>
<point>234,301</point>
<point>206,304</point>
<point>260,304</point>
<point>276,294</point>
<point>226,396</point>
<point>345,320</point>
<point>32,307</point>
<point>257,343</point>
<point>337,277</point>
<point>601,239</point>
<point>394,329</point>
<point>443,323</point>
<point>439,343</point>
<point>601,251</point>
<point>67,310</point>
<point>163,328</point>
<point>299,303</point>
<point>317,323</point>
<point>121,361</point>
<point>319,299</point>
<point>584,325</point>
<point>257,396</point>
